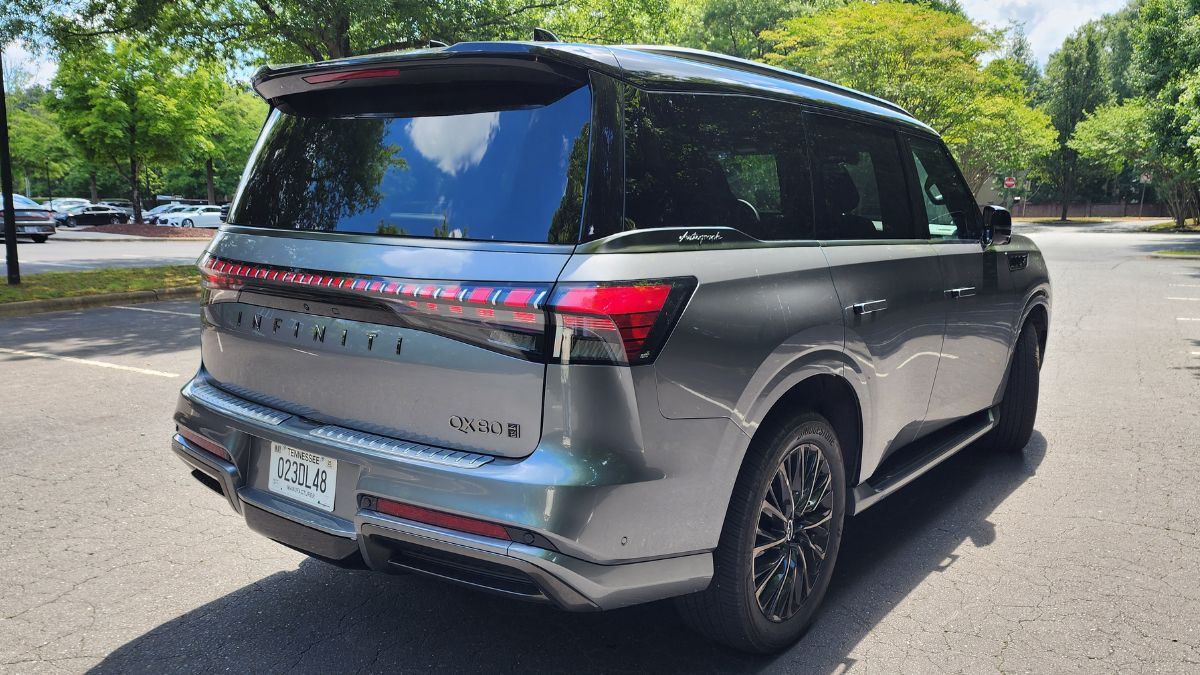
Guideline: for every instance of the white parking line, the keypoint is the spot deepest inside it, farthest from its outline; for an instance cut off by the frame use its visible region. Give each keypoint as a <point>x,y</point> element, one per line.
<point>1186,318</point>
<point>157,311</point>
<point>1192,299</point>
<point>58,264</point>
<point>86,362</point>
<point>1184,285</point>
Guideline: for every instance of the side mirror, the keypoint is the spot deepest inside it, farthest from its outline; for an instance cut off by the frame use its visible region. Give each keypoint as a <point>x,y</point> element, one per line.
<point>997,226</point>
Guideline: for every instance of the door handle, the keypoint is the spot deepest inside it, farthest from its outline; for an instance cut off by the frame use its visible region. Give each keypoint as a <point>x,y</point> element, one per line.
<point>870,307</point>
<point>964,292</point>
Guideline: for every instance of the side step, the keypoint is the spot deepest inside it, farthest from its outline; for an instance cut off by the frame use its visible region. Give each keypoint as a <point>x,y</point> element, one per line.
<point>921,456</point>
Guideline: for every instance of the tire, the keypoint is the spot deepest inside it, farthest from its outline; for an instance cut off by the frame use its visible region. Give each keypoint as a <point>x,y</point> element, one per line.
<point>71,222</point>
<point>731,610</point>
<point>1018,408</point>
<point>187,222</point>
<point>39,238</point>
<point>114,220</point>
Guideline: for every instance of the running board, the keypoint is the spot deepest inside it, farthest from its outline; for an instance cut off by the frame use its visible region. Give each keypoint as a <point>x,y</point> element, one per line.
<point>922,456</point>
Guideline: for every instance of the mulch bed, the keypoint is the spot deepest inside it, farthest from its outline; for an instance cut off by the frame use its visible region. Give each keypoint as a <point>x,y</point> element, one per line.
<point>151,231</point>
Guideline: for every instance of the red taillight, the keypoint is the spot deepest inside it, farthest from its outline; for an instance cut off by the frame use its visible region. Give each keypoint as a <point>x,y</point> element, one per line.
<point>620,324</point>
<point>351,75</point>
<point>440,519</point>
<point>623,323</point>
<point>204,443</point>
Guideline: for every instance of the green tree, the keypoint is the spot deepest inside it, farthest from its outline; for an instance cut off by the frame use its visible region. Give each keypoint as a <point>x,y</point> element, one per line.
<point>238,117</point>
<point>40,152</point>
<point>131,104</point>
<point>304,30</point>
<point>931,63</point>
<point>1073,86</point>
<point>1167,57</point>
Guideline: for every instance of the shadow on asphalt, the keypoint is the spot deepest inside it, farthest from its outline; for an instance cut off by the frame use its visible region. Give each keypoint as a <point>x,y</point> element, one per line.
<point>318,618</point>
<point>105,331</point>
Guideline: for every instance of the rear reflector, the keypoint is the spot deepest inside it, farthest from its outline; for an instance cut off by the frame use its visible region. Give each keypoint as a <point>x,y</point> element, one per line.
<point>204,443</point>
<point>438,518</point>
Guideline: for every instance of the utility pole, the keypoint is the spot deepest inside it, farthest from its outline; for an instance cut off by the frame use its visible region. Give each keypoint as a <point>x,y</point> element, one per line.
<point>6,186</point>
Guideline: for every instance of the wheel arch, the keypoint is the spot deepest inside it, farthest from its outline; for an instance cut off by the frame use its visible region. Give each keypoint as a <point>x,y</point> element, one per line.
<point>831,396</point>
<point>1038,315</point>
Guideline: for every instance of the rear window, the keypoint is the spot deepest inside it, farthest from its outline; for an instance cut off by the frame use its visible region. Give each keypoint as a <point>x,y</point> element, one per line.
<point>508,172</point>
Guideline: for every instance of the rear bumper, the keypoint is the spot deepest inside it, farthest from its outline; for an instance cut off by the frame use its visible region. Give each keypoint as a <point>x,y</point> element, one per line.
<point>353,536</point>
<point>28,229</point>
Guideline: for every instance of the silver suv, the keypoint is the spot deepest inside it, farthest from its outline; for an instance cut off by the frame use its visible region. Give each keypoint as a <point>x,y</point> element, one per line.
<point>597,326</point>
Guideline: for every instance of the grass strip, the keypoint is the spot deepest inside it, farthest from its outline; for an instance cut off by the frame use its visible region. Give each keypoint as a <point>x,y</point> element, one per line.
<point>47,285</point>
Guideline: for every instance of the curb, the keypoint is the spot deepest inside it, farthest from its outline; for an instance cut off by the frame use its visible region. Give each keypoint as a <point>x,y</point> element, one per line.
<point>27,307</point>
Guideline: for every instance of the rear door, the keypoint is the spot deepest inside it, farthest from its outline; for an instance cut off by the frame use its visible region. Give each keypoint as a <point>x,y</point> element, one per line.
<point>887,279</point>
<point>389,253</point>
<point>979,326</point>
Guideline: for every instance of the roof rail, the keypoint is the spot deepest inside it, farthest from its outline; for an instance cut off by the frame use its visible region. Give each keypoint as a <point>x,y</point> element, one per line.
<point>755,67</point>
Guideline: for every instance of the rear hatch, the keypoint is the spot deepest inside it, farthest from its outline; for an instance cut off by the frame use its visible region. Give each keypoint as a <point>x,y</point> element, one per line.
<point>393,243</point>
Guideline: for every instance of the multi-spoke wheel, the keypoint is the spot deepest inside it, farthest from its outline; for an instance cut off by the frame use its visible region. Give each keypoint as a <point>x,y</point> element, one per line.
<point>793,532</point>
<point>780,540</point>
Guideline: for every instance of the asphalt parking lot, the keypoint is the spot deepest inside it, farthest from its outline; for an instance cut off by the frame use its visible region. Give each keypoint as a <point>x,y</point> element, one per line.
<point>63,255</point>
<point>1080,555</point>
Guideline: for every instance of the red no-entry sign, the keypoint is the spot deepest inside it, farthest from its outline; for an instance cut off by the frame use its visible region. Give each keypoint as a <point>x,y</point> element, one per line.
<point>1010,182</point>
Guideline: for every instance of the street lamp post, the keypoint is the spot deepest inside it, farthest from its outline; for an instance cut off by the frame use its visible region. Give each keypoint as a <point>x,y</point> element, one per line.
<point>6,186</point>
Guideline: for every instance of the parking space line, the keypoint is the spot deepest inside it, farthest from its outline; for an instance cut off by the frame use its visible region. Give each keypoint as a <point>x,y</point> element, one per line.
<point>1186,318</point>
<point>156,311</point>
<point>1192,299</point>
<point>57,264</point>
<point>86,362</point>
<point>1184,285</point>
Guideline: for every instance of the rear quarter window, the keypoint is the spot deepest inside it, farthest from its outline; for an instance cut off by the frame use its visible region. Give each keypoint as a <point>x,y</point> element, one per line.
<point>716,161</point>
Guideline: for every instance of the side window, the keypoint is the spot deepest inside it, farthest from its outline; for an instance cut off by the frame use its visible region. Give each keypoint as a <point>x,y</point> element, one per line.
<point>859,181</point>
<point>716,161</point>
<point>950,207</point>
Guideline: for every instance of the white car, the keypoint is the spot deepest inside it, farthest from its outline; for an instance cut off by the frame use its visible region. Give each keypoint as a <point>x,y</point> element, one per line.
<point>63,204</point>
<point>198,216</point>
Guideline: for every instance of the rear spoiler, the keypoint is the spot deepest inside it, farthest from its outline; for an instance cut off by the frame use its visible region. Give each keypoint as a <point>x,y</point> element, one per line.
<point>564,65</point>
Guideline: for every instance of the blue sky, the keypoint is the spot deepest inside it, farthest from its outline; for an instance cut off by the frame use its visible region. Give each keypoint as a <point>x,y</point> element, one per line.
<point>1047,22</point>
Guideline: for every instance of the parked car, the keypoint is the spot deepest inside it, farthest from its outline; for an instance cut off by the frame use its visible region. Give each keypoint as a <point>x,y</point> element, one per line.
<point>64,204</point>
<point>194,216</point>
<point>670,363</point>
<point>92,214</point>
<point>122,204</point>
<point>33,220</point>
<point>160,218</point>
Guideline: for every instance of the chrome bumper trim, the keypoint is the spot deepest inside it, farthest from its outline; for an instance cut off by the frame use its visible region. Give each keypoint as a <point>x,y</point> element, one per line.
<point>391,448</point>
<point>232,405</point>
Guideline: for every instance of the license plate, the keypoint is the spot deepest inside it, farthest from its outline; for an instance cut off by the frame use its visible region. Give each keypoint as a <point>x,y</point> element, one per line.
<point>302,475</point>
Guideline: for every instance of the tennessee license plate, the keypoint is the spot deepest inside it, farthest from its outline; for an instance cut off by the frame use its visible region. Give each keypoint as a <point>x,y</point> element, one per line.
<point>305,476</point>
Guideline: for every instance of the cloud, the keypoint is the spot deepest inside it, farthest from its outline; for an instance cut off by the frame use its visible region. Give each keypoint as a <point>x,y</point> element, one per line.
<point>21,63</point>
<point>454,143</point>
<point>1047,22</point>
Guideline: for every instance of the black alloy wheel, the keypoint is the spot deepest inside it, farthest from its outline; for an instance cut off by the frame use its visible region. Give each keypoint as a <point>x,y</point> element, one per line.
<point>793,532</point>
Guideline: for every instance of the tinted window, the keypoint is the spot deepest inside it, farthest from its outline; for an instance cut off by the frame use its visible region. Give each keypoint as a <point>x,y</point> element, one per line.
<point>859,185</point>
<point>716,161</point>
<point>510,173</point>
<point>950,207</point>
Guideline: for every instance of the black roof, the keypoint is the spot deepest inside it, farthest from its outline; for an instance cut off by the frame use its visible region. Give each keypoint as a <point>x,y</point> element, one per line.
<point>647,66</point>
